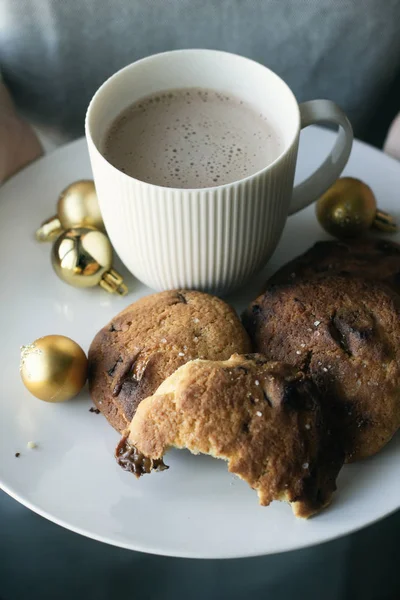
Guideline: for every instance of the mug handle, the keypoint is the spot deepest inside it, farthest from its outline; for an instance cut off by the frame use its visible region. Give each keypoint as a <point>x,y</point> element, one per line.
<point>323,111</point>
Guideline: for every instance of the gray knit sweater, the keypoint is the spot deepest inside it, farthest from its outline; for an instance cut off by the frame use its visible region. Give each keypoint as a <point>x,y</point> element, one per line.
<point>55,53</point>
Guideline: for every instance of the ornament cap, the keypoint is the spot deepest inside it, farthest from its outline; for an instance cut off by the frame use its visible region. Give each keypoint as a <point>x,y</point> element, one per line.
<point>49,230</point>
<point>385,222</point>
<point>113,283</point>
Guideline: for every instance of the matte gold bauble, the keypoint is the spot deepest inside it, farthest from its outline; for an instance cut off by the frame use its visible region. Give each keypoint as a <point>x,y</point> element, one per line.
<point>348,209</point>
<point>83,256</point>
<point>77,206</point>
<point>53,368</point>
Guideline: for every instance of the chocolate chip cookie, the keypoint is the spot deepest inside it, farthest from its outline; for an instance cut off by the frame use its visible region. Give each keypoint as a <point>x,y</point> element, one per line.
<point>150,339</point>
<point>264,418</point>
<point>372,258</point>
<point>344,333</point>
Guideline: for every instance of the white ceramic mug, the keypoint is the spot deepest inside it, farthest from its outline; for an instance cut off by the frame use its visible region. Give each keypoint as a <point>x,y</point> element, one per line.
<point>211,238</point>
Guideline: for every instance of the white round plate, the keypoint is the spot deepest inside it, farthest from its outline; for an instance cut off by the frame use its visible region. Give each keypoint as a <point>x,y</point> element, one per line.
<point>196,508</point>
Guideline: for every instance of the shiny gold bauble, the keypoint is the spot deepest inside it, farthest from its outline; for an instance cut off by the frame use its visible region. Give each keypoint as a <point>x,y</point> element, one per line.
<point>53,368</point>
<point>77,206</point>
<point>83,256</point>
<point>348,209</point>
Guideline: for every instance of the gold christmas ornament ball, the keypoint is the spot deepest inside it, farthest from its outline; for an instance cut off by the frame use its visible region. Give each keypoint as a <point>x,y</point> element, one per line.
<point>53,368</point>
<point>347,209</point>
<point>83,256</point>
<point>78,206</point>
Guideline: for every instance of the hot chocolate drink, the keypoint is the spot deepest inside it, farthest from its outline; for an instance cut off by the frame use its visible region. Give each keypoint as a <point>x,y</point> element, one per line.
<point>191,138</point>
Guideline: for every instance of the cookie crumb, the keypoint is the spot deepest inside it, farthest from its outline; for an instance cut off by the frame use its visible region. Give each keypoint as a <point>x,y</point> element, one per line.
<point>92,409</point>
<point>17,454</point>
<point>31,445</point>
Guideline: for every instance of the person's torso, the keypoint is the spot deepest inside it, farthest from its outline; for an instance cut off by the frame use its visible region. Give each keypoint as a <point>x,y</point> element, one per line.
<point>54,54</point>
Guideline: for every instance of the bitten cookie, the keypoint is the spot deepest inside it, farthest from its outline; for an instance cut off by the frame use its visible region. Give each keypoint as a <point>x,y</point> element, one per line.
<point>344,333</point>
<point>371,258</point>
<point>264,418</point>
<point>150,339</point>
